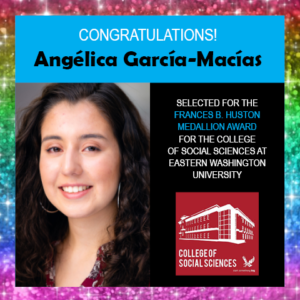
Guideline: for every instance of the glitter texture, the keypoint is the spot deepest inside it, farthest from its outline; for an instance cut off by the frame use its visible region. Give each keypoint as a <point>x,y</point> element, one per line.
<point>289,8</point>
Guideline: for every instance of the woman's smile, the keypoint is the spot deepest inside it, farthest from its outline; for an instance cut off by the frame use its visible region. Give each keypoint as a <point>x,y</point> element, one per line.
<point>79,160</point>
<point>75,191</point>
<point>74,188</point>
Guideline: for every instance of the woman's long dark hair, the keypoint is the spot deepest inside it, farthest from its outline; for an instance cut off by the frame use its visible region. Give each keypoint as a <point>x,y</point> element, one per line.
<point>36,230</point>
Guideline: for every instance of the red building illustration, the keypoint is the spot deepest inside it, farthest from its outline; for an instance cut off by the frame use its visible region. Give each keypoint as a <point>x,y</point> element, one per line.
<point>222,224</point>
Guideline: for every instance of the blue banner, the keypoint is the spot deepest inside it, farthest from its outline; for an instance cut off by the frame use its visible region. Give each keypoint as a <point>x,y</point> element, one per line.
<point>150,49</point>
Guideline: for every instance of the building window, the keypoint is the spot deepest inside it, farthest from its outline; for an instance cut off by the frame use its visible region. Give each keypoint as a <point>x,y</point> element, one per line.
<point>242,220</point>
<point>208,235</point>
<point>207,225</point>
<point>200,219</point>
<point>200,235</point>
<point>200,226</point>
<point>204,218</point>
<point>207,217</point>
<point>204,235</point>
<point>243,236</point>
<point>204,226</point>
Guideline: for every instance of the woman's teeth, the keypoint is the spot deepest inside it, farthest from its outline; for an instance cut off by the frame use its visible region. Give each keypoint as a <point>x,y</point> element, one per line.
<point>74,189</point>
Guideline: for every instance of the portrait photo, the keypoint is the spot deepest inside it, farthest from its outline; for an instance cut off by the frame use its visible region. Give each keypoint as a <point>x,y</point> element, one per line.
<point>82,184</point>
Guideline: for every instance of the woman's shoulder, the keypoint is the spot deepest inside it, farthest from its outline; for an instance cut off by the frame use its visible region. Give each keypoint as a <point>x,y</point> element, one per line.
<point>95,277</point>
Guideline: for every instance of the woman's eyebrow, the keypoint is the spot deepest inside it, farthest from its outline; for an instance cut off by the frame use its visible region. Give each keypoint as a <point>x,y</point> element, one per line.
<point>95,136</point>
<point>51,137</point>
<point>85,136</point>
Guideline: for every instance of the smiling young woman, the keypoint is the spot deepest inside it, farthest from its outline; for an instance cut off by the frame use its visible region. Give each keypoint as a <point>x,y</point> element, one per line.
<point>82,180</point>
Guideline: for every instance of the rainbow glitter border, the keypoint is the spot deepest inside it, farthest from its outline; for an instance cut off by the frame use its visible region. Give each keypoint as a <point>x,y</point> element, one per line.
<point>289,8</point>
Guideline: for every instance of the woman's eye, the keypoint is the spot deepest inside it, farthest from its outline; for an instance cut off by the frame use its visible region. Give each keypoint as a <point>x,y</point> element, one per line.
<point>91,149</point>
<point>53,150</point>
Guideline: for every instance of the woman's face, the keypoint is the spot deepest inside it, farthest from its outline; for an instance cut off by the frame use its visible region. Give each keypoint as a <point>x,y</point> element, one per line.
<point>80,159</point>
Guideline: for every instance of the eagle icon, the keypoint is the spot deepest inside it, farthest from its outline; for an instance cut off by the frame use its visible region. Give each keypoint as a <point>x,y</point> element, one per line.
<point>248,263</point>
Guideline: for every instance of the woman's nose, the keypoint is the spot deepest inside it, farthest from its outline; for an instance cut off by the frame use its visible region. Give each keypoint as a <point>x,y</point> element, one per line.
<point>71,165</point>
